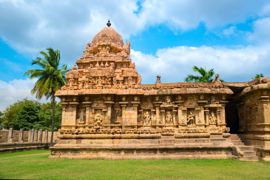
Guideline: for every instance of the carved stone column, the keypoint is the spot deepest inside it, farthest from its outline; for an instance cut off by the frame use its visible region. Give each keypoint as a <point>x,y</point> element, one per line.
<point>162,119</point>
<point>87,106</point>
<point>157,107</point>
<point>153,117</point>
<point>175,119</point>
<point>108,117</point>
<point>200,115</point>
<point>134,114</point>
<point>123,105</point>
<point>206,113</point>
<point>183,116</point>
<point>264,101</point>
<point>221,121</point>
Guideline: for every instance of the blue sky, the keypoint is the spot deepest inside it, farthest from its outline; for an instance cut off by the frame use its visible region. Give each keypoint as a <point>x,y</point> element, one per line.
<point>167,37</point>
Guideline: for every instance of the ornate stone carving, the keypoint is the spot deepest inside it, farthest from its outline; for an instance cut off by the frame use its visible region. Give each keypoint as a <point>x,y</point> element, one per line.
<point>147,118</point>
<point>169,118</point>
<point>191,117</point>
<point>212,118</point>
<point>98,120</point>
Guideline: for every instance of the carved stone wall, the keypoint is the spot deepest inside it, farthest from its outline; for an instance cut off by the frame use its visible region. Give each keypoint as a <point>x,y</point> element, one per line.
<point>254,117</point>
<point>179,114</point>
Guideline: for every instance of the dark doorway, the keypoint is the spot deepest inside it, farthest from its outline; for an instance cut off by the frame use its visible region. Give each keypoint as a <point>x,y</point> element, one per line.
<point>232,118</point>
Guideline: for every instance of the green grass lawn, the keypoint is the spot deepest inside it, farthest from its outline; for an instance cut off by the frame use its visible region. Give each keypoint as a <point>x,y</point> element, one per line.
<point>36,164</point>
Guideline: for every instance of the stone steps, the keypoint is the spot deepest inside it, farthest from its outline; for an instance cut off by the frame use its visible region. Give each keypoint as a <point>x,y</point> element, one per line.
<point>245,152</point>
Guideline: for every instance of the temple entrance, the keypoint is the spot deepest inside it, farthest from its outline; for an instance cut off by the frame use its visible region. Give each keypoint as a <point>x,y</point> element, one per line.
<point>232,119</point>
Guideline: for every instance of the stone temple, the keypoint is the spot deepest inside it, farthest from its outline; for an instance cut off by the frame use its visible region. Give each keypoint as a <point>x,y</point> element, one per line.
<point>108,113</point>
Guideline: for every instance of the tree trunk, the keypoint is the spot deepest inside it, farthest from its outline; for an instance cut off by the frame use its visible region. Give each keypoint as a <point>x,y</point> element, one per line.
<point>52,117</point>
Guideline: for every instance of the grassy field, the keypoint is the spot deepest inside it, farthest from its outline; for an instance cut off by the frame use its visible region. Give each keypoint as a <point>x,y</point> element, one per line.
<point>35,164</point>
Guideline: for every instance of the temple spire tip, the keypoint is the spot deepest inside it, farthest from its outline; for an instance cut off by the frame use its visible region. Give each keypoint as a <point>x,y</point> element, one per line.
<point>109,23</point>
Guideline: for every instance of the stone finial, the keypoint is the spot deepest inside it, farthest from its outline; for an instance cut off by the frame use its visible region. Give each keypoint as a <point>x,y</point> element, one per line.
<point>217,79</point>
<point>109,23</point>
<point>158,81</point>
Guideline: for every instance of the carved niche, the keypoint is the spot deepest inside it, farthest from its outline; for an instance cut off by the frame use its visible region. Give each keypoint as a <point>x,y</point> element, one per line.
<point>168,111</point>
<point>146,112</point>
<point>98,120</point>
<point>191,117</point>
<point>116,114</point>
<point>169,120</point>
<point>147,118</point>
<point>81,114</point>
<point>98,112</point>
<point>212,117</point>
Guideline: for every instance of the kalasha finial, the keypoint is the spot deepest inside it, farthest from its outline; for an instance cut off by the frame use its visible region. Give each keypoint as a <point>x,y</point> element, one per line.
<point>158,80</point>
<point>109,23</point>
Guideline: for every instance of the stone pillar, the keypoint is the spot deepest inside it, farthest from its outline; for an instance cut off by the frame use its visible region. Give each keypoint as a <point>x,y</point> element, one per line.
<point>134,115</point>
<point>157,114</point>
<point>20,140</point>
<point>162,119</point>
<point>206,112</point>
<point>64,112</point>
<point>221,116</point>
<point>175,120</point>
<point>201,120</point>
<point>180,108</point>
<point>46,137</point>
<point>87,111</point>
<point>32,135</point>
<point>29,136</point>
<point>123,104</point>
<point>108,112</point>
<point>35,135</point>
<point>10,134</point>
<point>183,116</point>
<point>264,100</point>
<point>123,115</point>
<point>39,136</point>
<point>153,117</point>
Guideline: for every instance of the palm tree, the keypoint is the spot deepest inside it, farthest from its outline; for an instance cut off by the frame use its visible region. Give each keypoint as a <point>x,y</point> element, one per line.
<point>49,78</point>
<point>258,76</point>
<point>204,75</point>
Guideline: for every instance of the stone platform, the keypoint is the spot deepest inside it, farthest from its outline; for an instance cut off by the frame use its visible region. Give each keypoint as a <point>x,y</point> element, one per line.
<point>155,147</point>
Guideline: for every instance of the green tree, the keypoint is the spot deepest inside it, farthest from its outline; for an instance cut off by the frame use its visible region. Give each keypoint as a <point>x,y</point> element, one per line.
<point>45,115</point>
<point>1,119</point>
<point>50,78</point>
<point>21,115</point>
<point>258,76</point>
<point>204,75</point>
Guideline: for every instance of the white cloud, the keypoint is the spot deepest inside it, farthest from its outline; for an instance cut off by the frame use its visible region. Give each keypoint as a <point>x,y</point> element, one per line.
<point>31,26</point>
<point>186,14</point>
<point>261,34</point>
<point>15,90</point>
<point>173,64</point>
